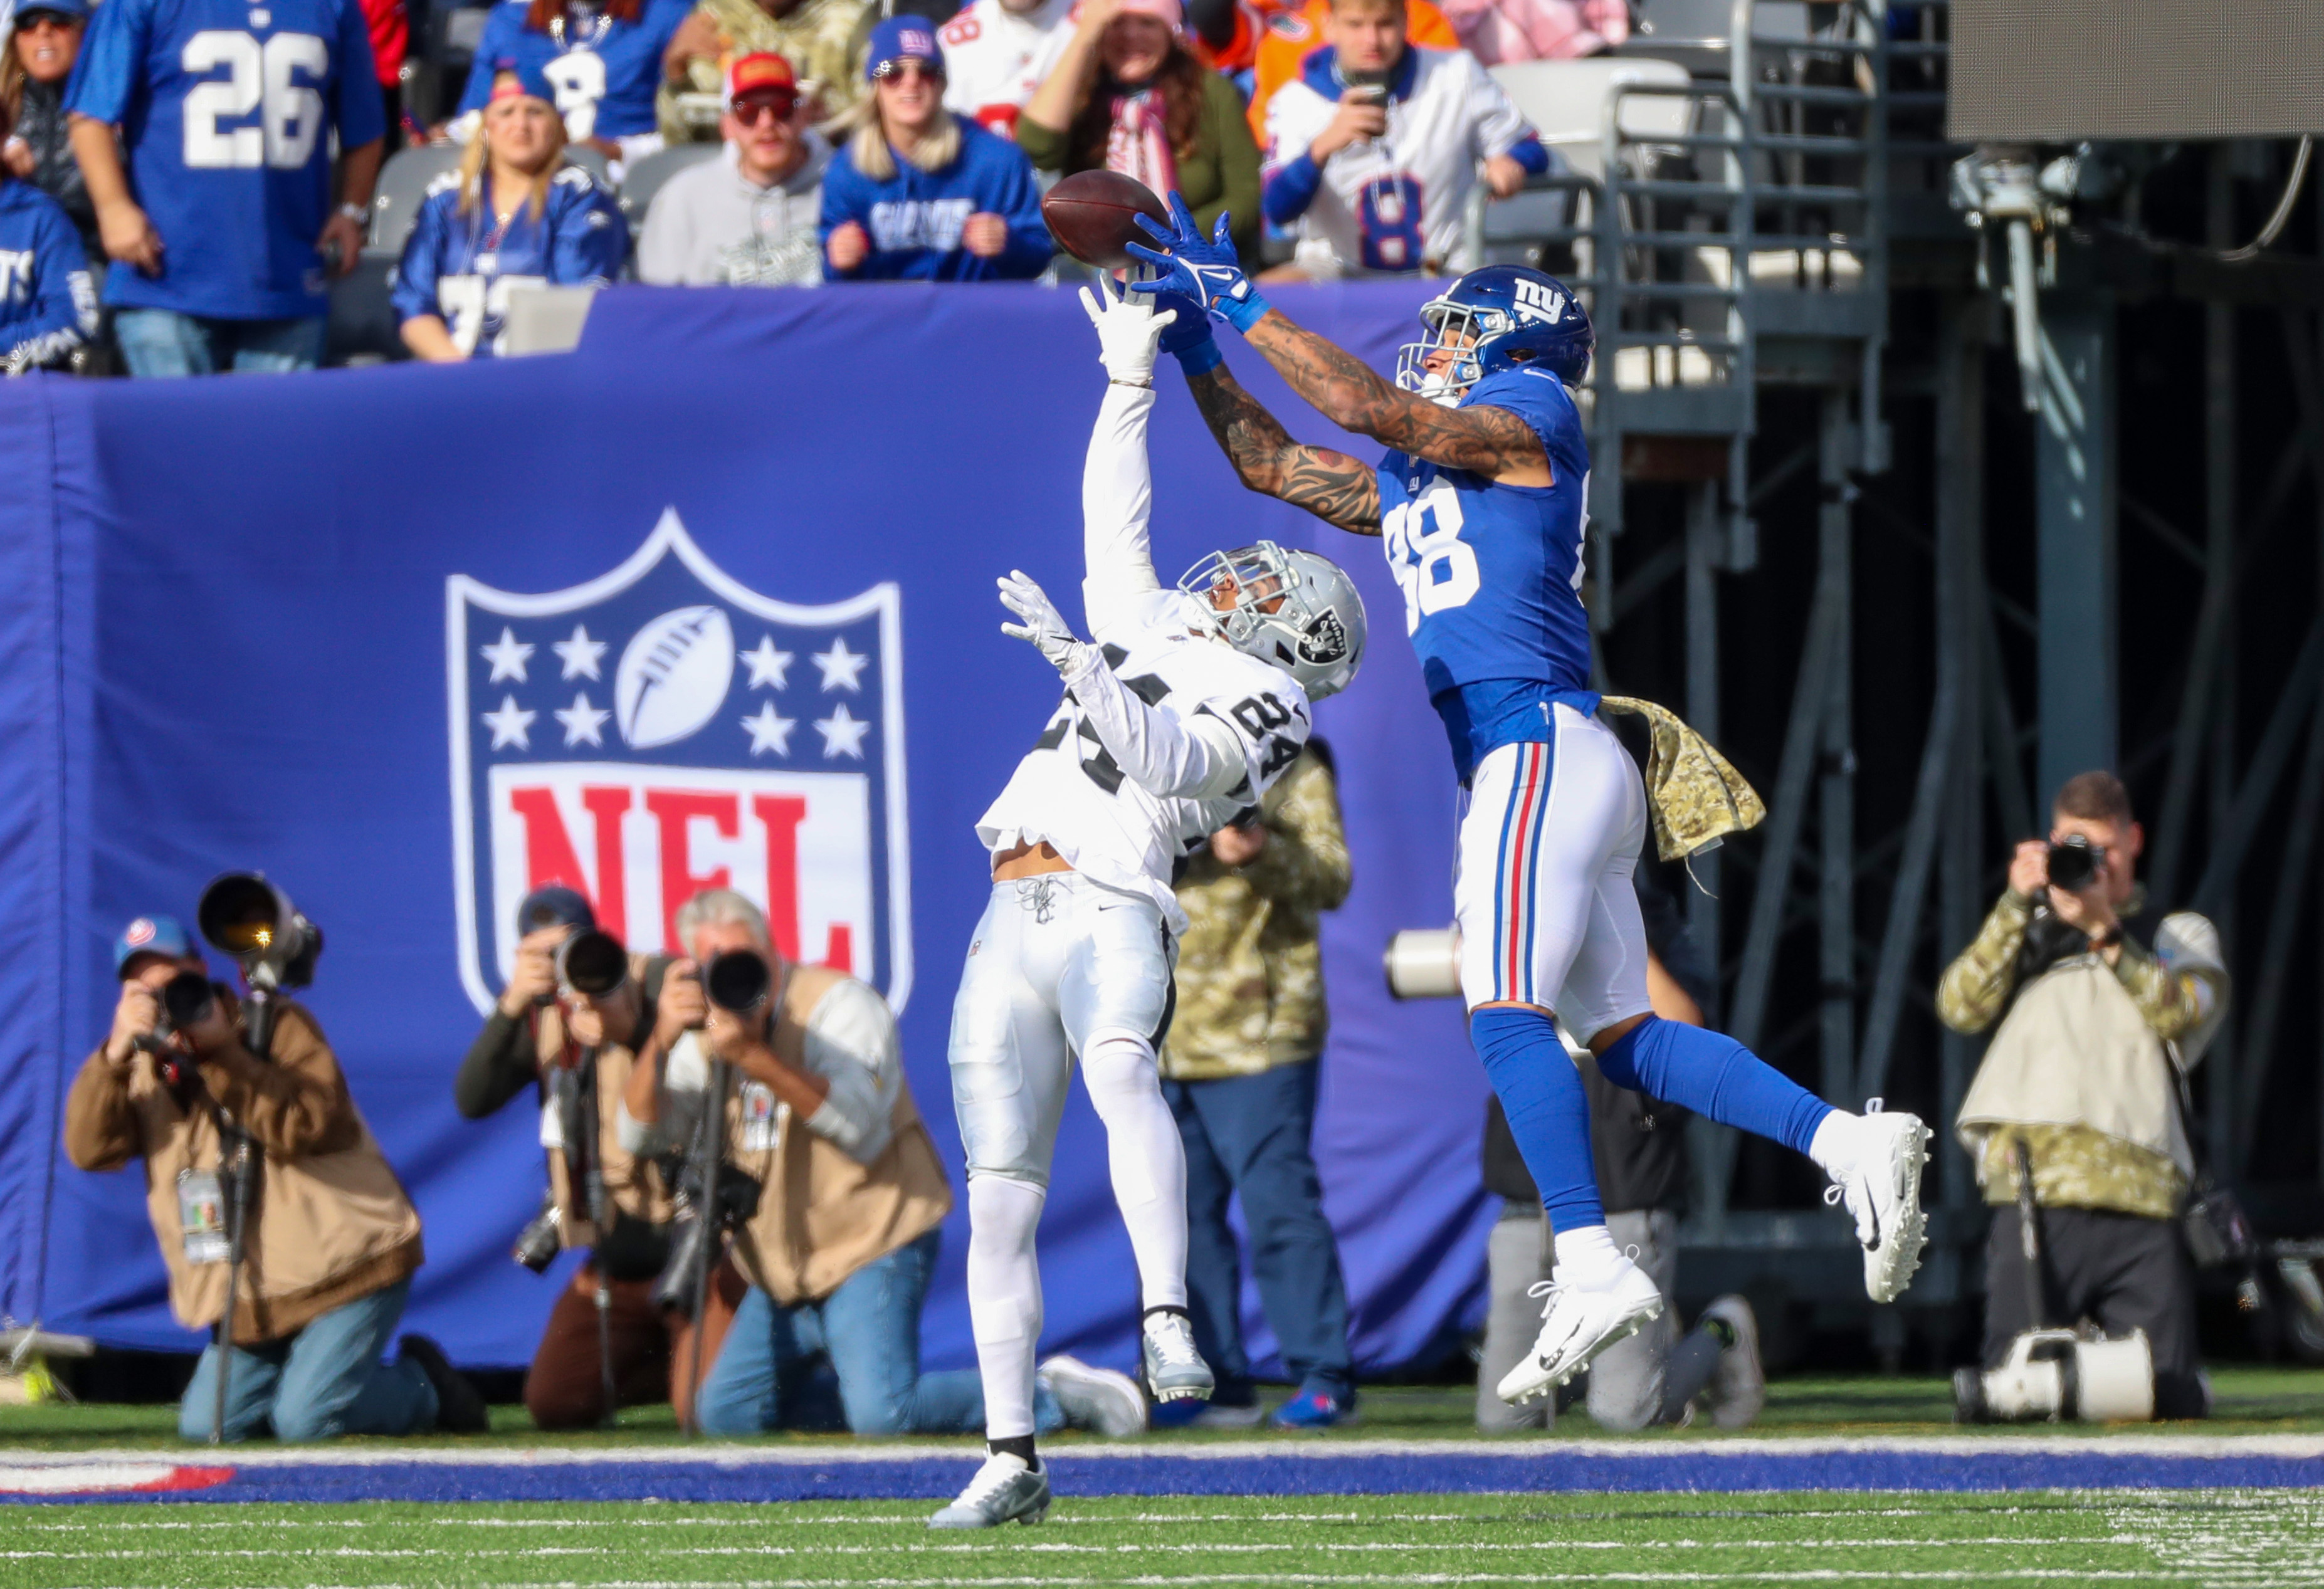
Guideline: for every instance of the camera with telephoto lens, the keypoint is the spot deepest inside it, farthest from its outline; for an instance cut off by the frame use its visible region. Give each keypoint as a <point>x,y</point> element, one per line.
<point>253,920</point>
<point>186,999</point>
<point>2074,862</point>
<point>693,1238</point>
<point>592,962</point>
<point>738,981</point>
<point>539,1241</point>
<point>2053,1375</point>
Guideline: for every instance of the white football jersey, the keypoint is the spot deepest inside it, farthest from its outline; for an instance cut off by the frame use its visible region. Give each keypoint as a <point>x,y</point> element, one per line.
<point>1394,204</point>
<point>994,58</point>
<point>1070,791</point>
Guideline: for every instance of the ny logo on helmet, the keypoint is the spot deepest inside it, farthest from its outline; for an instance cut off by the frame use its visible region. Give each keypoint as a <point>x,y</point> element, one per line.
<point>1539,300</point>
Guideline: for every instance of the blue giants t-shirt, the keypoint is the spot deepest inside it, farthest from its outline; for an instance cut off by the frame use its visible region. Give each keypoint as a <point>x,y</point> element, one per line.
<point>1492,574</point>
<point>226,108</point>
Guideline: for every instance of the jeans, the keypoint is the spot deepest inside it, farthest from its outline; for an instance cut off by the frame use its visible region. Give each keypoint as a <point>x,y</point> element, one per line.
<point>870,1331</point>
<point>326,1380</point>
<point>1248,1135</point>
<point>163,342</point>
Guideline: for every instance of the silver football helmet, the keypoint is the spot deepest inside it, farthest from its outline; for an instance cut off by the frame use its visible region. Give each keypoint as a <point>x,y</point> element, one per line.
<point>1298,610</point>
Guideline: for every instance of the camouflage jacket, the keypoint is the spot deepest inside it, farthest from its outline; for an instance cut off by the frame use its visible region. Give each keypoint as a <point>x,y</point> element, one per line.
<point>1250,973</point>
<point>823,40</point>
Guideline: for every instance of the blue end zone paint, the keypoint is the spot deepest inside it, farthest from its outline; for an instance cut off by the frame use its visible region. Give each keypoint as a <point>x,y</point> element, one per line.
<point>1545,1469</point>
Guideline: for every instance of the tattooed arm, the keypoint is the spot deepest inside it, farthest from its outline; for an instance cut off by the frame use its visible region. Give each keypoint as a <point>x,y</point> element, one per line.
<point>1484,440</point>
<point>1330,485</point>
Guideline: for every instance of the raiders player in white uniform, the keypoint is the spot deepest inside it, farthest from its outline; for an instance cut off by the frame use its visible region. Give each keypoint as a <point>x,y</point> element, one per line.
<point>1171,727</point>
<point>996,52</point>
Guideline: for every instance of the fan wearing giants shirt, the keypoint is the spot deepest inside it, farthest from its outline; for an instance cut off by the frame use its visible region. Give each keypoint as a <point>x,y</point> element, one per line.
<point>1191,702</point>
<point>1372,150</point>
<point>996,52</point>
<point>1479,502</point>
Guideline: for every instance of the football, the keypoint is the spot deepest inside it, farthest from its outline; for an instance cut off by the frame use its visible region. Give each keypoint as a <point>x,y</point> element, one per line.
<point>1092,215</point>
<point>674,676</point>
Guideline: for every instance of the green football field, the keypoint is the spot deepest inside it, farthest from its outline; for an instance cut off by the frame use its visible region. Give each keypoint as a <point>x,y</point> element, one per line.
<point>2181,1538</point>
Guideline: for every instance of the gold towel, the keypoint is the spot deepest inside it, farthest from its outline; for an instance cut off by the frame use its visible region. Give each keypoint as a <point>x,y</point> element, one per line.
<point>1697,798</point>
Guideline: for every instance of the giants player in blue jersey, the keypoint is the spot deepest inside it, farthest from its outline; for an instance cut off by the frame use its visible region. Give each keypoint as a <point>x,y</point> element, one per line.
<point>1480,502</point>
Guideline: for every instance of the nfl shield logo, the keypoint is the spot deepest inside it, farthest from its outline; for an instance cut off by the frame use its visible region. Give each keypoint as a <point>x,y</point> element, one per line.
<point>661,731</point>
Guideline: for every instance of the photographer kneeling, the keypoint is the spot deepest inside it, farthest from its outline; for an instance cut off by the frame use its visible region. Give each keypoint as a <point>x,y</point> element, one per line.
<point>332,1240</point>
<point>2095,1027</point>
<point>849,1193</point>
<point>566,1037</point>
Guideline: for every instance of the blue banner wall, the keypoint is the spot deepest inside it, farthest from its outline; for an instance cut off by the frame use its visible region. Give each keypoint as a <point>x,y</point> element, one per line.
<point>224,617</point>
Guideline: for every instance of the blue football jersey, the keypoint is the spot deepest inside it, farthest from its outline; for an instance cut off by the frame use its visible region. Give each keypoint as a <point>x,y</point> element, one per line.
<point>225,108</point>
<point>47,306</point>
<point>461,267</point>
<point>605,71</point>
<point>1492,573</point>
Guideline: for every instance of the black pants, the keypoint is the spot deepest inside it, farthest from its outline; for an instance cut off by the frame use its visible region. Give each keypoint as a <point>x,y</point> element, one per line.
<point>2124,1271</point>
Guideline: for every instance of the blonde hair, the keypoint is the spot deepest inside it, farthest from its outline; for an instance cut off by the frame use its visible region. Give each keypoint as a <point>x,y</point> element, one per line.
<point>478,155</point>
<point>860,129</point>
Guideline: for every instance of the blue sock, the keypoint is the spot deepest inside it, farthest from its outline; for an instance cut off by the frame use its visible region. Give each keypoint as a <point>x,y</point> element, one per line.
<point>1549,1113</point>
<point>1716,1077</point>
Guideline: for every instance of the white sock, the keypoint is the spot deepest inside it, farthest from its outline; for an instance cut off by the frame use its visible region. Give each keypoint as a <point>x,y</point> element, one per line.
<point>1004,1298</point>
<point>1148,1158</point>
<point>1585,1254</point>
<point>1834,1146</point>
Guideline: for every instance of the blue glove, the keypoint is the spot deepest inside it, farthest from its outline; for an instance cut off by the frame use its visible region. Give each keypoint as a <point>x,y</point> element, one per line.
<point>1206,272</point>
<point>1188,337</point>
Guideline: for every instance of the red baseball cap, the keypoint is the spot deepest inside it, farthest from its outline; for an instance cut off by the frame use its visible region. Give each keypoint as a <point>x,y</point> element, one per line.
<point>762,73</point>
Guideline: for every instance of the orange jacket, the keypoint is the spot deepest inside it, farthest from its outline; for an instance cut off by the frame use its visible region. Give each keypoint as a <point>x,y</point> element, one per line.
<point>1291,36</point>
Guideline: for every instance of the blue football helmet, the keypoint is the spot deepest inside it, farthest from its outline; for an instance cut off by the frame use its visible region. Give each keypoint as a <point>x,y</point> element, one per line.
<point>1497,319</point>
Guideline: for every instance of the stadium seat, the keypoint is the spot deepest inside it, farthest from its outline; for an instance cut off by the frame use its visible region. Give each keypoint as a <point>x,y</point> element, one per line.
<point>1566,101</point>
<point>645,177</point>
<point>402,184</point>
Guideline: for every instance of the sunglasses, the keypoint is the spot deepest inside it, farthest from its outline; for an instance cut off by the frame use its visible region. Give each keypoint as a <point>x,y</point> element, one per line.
<point>887,71</point>
<point>28,20</point>
<point>751,112</point>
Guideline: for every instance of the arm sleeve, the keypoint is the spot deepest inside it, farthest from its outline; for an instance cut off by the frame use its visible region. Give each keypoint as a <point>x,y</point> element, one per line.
<point>64,303</point>
<point>100,1126</point>
<point>1531,154</point>
<point>1168,756</point>
<point>852,1044</point>
<point>591,244</point>
<point>296,1103</point>
<point>1976,986</point>
<point>105,72</point>
<point>662,240</point>
<point>1236,156</point>
<point>1044,147</point>
<point>684,1079</point>
<point>1305,863</point>
<point>1500,127</point>
<point>1117,504</point>
<point>1017,199</point>
<point>414,293</point>
<point>839,205</point>
<point>499,1065</point>
<point>1292,187</point>
<point>2171,1000</point>
<point>358,108</point>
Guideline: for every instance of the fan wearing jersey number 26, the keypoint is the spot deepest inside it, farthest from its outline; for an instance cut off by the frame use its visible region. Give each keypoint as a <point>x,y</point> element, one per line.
<point>1480,505</point>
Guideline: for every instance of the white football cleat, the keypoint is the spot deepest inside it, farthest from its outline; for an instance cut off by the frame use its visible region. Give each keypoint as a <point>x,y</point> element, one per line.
<point>1579,1320</point>
<point>1175,1370</point>
<point>1004,1490</point>
<point>1096,1399</point>
<point>1883,1192</point>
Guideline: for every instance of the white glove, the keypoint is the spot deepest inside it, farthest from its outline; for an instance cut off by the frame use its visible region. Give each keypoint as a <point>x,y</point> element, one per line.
<point>1041,623</point>
<point>1129,332</point>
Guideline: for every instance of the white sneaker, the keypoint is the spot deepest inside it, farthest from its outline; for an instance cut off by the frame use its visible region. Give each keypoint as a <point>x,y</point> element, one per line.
<point>1004,1490</point>
<point>1579,1320</point>
<point>1883,1192</point>
<point>1738,1385</point>
<point>1175,1370</point>
<point>1096,1399</point>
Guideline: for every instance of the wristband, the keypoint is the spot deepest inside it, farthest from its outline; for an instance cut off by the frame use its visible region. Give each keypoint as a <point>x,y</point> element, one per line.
<point>357,213</point>
<point>1245,312</point>
<point>1201,358</point>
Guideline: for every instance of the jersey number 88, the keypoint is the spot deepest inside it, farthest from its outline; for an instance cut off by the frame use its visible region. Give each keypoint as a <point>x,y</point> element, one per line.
<point>1436,569</point>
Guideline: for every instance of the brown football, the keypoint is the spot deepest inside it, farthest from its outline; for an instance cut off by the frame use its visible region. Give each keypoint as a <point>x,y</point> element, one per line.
<point>1092,215</point>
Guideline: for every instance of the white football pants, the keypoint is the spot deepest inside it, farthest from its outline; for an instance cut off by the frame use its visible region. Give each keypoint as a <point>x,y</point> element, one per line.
<point>1060,968</point>
<point>1550,837</point>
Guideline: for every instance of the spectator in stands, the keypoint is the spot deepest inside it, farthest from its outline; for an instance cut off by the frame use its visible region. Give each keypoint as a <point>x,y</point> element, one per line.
<point>33,77</point>
<point>602,62</point>
<point>513,215</point>
<point>844,1244</point>
<point>917,194</point>
<point>1638,1147</point>
<point>390,23</point>
<point>1372,152</point>
<point>996,54</point>
<point>1498,31</point>
<point>221,224</point>
<point>823,40</point>
<point>1239,1068</point>
<point>547,1042</point>
<point>333,1240</point>
<point>2092,1031</point>
<point>749,217</point>
<point>1291,35</point>
<point>1127,96</point>
<point>48,306</point>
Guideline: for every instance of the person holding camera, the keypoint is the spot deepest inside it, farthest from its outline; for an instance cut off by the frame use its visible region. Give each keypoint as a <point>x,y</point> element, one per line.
<point>2093,1030</point>
<point>561,1034</point>
<point>833,1187</point>
<point>331,1239</point>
